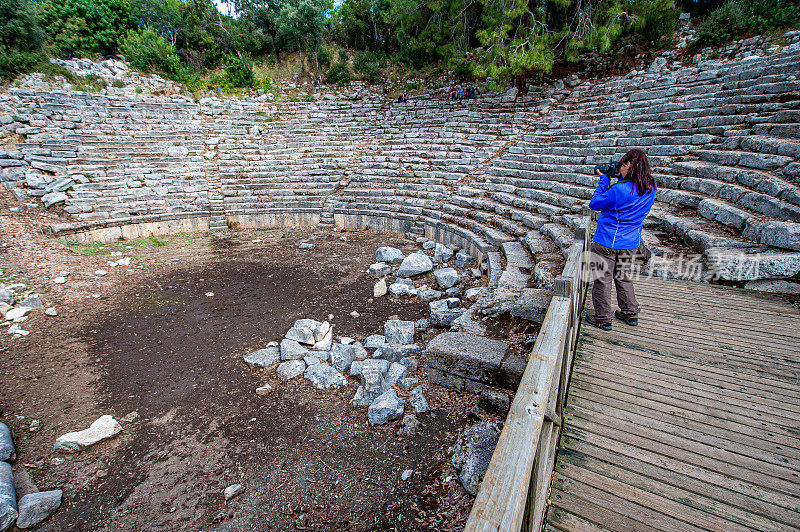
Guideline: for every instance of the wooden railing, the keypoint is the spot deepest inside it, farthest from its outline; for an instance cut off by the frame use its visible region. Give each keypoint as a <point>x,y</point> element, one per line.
<point>514,491</point>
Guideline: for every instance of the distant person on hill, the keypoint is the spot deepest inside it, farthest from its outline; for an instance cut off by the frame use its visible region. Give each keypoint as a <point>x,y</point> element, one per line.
<point>623,207</point>
<point>453,92</point>
<point>403,97</point>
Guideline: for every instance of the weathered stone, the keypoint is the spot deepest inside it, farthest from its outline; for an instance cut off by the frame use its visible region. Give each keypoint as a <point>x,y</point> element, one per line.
<point>380,289</point>
<point>311,360</point>
<point>422,324</point>
<point>479,359</point>
<point>738,265</point>
<point>395,352</point>
<point>53,198</point>
<point>380,269</point>
<point>232,491</point>
<point>36,507</point>
<point>446,277</point>
<point>396,372</point>
<point>264,357</point>
<point>410,362</point>
<point>387,407</point>
<point>302,335</point>
<point>473,294</point>
<point>442,253</point>
<point>428,294</point>
<point>418,401</point>
<point>403,290</point>
<point>324,376</point>
<point>441,313</point>
<point>8,452</point>
<point>6,296</point>
<point>292,350</point>
<point>290,369</point>
<point>415,264</point>
<point>372,386</point>
<point>532,304</point>
<point>342,356</point>
<point>375,341</point>
<point>408,383</point>
<point>8,497</point>
<point>306,246</point>
<point>774,286</point>
<point>265,389</point>
<point>389,254</point>
<point>473,452</point>
<point>104,427</point>
<point>398,332</point>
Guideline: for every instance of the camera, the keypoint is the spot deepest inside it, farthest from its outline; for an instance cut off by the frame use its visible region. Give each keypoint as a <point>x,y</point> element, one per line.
<point>611,169</point>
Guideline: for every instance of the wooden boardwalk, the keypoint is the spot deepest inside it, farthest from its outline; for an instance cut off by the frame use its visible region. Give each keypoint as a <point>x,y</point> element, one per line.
<point>690,421</point>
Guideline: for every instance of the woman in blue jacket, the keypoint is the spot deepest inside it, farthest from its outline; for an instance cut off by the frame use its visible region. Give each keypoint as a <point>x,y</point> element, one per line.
<point>623,207</point>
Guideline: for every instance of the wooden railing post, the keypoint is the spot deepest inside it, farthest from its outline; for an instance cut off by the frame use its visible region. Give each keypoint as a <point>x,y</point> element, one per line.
<point>514,490</point>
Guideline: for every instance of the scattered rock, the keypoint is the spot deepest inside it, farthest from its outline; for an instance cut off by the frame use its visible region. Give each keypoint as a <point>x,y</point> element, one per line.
<point>415,264</point>
<point>35,425</point>
<point>464,259</point>
<point>264,357</point>
<point>410,362</point>
<point>324,376</point>
<point>473,452</point>
<point>428,294</point>
<point>398,332</point>
<point>394,352</point>
<point>399,290</point>
<point>374,341</point>
<point>59,280</point>
<point>406,474</point>
<point>372,386</point>
<point>396,372</point>
<point>441,313</point>
<point>51,311</point>
<point>233,491</point>
<point>379,290</point>
<point>302,335</point>
<point>104,427</point>
<point>380,269</point>
<point>8,452</point>
<point>342,356</point>
<point>292,350</point>
<point>266,389</point>
<point>495,402</point>
<point>446,277</point>
<point>408,383</point>
<point>33,301</point>
<point>6,296</point>
<point>442,253</point>
<point>290,369</point>
<point>418,401</point>
<point>409,426</point>
<point>8,497</point>
<point>390,255</point>
<point>16,313</point>
<point>422,323</point>
<point>36,507</point>
<point>306,245</point>
<point>385,408</point>
<point>473,294</point>
<point>355,314</point>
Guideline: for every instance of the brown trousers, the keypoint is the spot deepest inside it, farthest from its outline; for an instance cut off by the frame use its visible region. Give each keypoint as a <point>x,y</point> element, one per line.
<point>605,264</point>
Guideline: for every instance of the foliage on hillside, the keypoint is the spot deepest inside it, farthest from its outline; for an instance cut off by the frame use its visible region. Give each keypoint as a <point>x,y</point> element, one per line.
<point>507,40</point>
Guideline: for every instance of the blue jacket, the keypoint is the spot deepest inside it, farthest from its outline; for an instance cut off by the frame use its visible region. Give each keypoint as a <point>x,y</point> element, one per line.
<point>622,211</point>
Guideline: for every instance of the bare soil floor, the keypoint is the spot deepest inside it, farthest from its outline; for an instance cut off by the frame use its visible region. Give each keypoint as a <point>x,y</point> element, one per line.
<point>146,339</point>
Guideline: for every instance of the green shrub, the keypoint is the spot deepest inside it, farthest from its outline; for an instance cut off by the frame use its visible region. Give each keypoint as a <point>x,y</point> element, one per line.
<point>367,68</point>
<point>658,24</point>
<point>149,52</point>
<point>117,83</point>
<point>343,57</point>
<point>463,71</point>
<point>739,18</point>
<point>338,74</point>
<point>324,58</point>
<point>15,63</point>
<point>239,72</point>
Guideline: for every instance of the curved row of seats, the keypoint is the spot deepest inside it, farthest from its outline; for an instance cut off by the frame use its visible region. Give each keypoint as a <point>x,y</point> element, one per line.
<point>722,137</point>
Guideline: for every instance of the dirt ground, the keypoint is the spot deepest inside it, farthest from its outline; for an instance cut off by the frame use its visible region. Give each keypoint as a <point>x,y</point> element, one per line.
<point>147,345</point>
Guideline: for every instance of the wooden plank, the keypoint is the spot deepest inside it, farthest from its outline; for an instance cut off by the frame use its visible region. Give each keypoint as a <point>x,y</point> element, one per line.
<point>559,519</point>
<point>762,500</point>
<point>721,373</point>
<point>601,490</point>
<point>618,363</point>
<point>698,407</point>
<point>728,503</point>
<point>676,345</point>
<point>744,443</point>
<point>588,510</point>
<point>645,492</point>
<point>687,450</point>
<point>691,440</point>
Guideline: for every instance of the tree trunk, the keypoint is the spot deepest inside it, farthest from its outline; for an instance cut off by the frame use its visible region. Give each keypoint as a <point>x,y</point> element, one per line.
<point>274,36</point>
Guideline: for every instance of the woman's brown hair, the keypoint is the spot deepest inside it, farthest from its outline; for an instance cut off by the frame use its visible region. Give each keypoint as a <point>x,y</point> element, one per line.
<point>639,174</point>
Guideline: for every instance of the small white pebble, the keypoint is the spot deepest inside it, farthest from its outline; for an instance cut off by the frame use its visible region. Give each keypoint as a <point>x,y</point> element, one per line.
<point>100,273</point>
<point>51,311</point>
<point>355,314</point>
<point>59,280</point>
<point>209,294</point>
